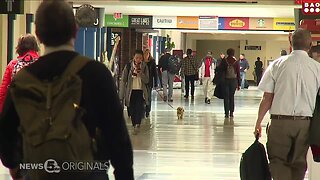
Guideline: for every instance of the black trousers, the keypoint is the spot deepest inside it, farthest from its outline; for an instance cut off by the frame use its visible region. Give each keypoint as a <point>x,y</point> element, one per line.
<point>136,106</point>
<point>148,107</point>
<point>230,86</point>
<point>189,80</point>
<point>259,76</point>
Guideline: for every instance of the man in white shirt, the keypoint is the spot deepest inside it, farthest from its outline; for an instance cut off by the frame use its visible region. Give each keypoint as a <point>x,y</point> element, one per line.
<point>290,85</point>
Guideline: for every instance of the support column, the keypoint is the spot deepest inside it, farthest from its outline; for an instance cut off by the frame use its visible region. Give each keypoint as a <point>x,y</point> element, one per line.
<point>3,42</point>
<point>11,18</point>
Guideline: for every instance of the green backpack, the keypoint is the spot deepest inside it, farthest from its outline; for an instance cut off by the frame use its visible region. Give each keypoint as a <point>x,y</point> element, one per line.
<point>51,120</point>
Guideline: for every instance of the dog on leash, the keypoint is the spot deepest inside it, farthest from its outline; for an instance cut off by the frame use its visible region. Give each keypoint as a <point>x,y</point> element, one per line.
<point>180,112</point>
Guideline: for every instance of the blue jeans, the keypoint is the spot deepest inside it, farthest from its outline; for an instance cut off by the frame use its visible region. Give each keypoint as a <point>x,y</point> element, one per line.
<point>242,77</point>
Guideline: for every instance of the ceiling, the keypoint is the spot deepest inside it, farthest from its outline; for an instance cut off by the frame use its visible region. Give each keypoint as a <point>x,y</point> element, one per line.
<point>241,8</point>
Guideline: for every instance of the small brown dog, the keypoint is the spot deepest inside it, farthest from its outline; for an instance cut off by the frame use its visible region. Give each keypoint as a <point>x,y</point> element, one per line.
<point>180,112</point>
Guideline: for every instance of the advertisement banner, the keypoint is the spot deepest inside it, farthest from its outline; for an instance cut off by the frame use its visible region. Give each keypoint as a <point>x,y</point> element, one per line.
<point>285,24</point>
<point>187,22</point>
<point>236,23</point>
<point>116,20</point>
<point>311,7</point>
<point>169,22</point>
<point>143,22</point>
<point>221,23</point>
<point>261,23</point>
<point>208,22</point>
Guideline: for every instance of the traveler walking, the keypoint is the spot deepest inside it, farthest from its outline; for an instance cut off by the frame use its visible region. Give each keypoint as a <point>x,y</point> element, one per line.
<point>64,108</point>
<point>244,67</point>
<point>133,88</point>
<point>258,70</point>
<point>27,50</point>
<point>153,78</point>
<point>190,71</point>
<point>290,85</point>
<point>167,77</point>
<point>231,68</point>
<point>207,74</point>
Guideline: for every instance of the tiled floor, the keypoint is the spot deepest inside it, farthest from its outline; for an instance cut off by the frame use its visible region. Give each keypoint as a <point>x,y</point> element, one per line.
<point>204,145</point>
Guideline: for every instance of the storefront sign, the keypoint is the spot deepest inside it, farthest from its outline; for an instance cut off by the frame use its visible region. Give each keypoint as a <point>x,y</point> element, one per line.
<point>311,7</point>
<point>116,20</point>
<point>208,22</point>
<point>143,22</point>
<point>261,23</point>
<point>164,22</point>
<point>236,23</point>
<point>187,22</point>
<point>285,24</point>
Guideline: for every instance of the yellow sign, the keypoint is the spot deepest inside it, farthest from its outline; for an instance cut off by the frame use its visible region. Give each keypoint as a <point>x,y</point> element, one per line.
<point>285,24</point>
<point>188,22</point>
<point>237,23</point>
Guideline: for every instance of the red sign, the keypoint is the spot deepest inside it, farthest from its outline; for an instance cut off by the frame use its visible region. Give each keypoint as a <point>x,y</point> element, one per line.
<point>311,7</point>
<point>312,25</point>
<point>236,23</point>
<point>298,1</point>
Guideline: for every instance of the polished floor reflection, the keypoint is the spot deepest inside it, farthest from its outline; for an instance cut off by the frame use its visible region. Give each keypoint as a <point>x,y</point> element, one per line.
<point>202,146</point>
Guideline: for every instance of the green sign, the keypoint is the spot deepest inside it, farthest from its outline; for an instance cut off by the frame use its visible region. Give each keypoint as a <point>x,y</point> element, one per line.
<point>117,20</point>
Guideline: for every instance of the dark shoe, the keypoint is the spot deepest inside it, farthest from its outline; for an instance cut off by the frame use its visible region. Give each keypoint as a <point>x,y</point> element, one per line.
<point>226,115</point>
<point>170,100</point>
<point>192,97</point>
<point>231,115</point>
<point>147,114</point>
<point>165,98</point>
<point>208,101</point>
<point>186,96</point>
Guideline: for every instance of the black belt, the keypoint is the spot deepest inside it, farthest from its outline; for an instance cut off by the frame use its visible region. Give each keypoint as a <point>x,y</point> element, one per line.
<point>285,117</point>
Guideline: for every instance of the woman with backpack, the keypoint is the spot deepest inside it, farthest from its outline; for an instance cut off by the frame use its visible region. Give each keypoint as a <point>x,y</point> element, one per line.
<point>27,50</point>
<point>133,88</point>
<point>151,63</point>
<point>231,68</point>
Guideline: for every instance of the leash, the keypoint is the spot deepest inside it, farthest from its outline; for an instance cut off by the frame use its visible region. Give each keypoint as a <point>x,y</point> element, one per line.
<point>163,99</point>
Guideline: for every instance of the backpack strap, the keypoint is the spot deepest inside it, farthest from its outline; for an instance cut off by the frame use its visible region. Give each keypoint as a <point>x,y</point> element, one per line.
<point>75,65</point>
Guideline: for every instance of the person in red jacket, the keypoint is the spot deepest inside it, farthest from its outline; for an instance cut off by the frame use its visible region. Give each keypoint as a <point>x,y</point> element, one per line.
<point>27,50</point>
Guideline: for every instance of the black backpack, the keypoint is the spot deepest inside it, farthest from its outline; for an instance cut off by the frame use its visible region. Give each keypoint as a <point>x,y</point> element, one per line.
<point>174,64</point>
<point>254,163</point>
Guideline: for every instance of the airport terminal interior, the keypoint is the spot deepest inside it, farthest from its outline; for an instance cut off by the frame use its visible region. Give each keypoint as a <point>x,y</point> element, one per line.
<point>204,144</point>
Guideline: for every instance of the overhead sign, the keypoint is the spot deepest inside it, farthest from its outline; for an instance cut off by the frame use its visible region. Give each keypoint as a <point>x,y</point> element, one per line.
<point>143,22</point>
<point>11,6</point>
<point>187,22</point>
<point>116,20</point>
<point>208,22</point>
<point>164,22</point>
<point>311,7</point>
<point>285,24</point>
<point>236,23</point>
<point>261,23</point>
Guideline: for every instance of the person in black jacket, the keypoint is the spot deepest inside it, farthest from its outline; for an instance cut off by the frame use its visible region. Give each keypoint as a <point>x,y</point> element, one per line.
<point>258,69</point>
<point>99,95</point>
<point>151,63</point>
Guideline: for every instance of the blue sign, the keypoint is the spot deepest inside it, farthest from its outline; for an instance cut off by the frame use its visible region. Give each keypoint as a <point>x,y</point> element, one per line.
<point>221,23</point>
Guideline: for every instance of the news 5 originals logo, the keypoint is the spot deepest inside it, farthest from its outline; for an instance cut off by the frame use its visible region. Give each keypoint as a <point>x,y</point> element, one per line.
<point>51,166</point>
<point>311,7</point>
